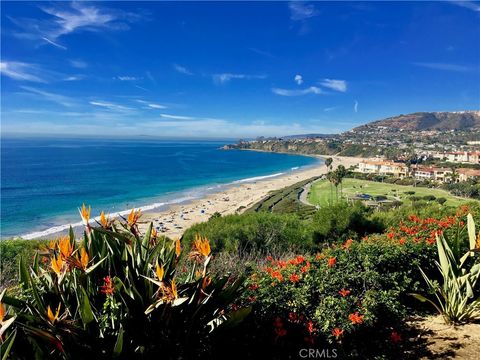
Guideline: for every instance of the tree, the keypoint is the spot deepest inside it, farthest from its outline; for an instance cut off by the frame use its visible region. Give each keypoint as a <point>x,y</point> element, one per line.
<point>328,162</point>
<point>341,172</point>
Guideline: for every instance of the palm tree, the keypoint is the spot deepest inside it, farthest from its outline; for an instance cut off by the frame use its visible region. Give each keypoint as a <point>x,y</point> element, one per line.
<point>341,172</point>
<point>328,162</point>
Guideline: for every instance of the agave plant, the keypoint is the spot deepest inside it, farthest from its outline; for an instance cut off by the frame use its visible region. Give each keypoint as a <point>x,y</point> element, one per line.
<point>118,293</point>
<point>457,299</point>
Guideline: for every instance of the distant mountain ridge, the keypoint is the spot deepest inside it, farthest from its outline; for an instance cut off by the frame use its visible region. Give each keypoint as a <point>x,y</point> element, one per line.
<point>459,120</point>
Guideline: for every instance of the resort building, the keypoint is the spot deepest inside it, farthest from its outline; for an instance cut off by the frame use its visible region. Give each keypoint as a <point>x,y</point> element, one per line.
<point>463,157</point>
<point>383,168</point>
<point>467,174</point>
<point>432,173</point>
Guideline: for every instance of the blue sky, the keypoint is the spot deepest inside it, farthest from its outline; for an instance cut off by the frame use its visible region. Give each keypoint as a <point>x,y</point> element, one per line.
<point>224,69</point>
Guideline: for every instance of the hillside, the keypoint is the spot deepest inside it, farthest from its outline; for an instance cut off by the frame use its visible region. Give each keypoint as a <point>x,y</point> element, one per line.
<point>462,120</point>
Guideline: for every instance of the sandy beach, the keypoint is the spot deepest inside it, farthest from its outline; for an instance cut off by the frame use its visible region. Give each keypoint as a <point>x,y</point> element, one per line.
<point>235,199</point>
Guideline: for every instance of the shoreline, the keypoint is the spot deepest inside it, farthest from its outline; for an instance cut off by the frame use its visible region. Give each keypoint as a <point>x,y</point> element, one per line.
<point>172,217</point>
<point>234,199</point>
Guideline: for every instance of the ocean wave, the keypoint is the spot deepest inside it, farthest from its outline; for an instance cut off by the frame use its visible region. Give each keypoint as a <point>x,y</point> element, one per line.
<point>60,228</point>
<point>256,178</point>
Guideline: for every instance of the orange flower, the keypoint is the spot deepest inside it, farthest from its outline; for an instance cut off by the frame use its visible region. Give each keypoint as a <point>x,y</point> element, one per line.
<point>65,247</point>
<point>52,318</point>
<point>104,220</point>
<point>201,247</point>
<point>277,275</point>
<point>133,217</point>
<point>52,245</point>
<point>154,233</point>
<point>107,288</point>
<point>160,272</point>
<point>57,264</point>
<point>294,278</point>
<point>83,258</point>
<point>178,248</point>
<point>344,292</point>
<point>305,268</point>
<point>355,318</point>
<point>337,332</point>
<point>332,261</point>
<point>170,293</point>
<point>206,281</point>
<point>3,311</point>
<point>395,337</point>
<point>402,241</point>
<point>347,244</point>
<point>85,213</point>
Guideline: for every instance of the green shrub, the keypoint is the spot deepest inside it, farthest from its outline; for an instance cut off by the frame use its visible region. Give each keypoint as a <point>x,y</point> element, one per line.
<point>10,253</point>
<point>429,197</point>
<point>341,221</point>
<point>346,297</point>
<point>253,232</point>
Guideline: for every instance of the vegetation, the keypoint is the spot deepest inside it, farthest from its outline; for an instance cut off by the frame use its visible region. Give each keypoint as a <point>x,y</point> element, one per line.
<point>286,200</point>
<point>458,298</point>
<point>320,191</point>
<point>337,279</point>
<point>117,293</point>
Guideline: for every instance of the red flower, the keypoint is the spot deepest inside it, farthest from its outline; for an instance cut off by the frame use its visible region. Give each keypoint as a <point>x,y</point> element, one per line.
<point>344,292</point>
<point>305,268</point>
<point>277,275</point>
<point>254,287</point>
<point>332,261</point>
<point>107,287</point>
<point>278,325</point>
<point>390,235</point>
<point>310,327</point>
<point>337,332</point>
<point>292,317</point>
<point>402,241</point>
<point>269,258</point>
<point>395,337</point>
<point>294,278</point>
<point>355,318</point>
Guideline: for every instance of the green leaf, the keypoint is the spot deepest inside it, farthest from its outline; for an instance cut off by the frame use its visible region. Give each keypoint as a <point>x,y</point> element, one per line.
<point>85,309</point>
<point>7,345</point>
<point>236,317</point>
<point>26,280</point>
<point>471,232</point>
<point>117,350</point>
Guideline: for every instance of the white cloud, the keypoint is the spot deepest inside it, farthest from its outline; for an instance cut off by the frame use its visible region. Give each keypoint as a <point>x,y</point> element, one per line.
<point>355,106</point>
<point>443,66</point>
<point>54,43</point>
<point>21,71</point>
<point>79,64</point>
<point>176,117</point>
<point>156,106</point>
<point>300,10</point>
<point>337,85</point>
<point>327,109</point>
<point>110,106</point>
<point>295,92</point>
<point>49,96</point>
<point>467,4</point>
<point>299,79</point>
<point>127,78</point>
<point>182,69</point>
<point>67,18</point>
<point>74,78</point>
<point>226,77</point>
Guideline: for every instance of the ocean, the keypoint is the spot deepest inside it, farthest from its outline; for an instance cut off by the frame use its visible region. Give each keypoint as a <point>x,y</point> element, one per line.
<point>45,181</point>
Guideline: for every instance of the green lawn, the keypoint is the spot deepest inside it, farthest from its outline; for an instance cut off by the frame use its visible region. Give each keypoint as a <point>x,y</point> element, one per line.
<point>320,191</point>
